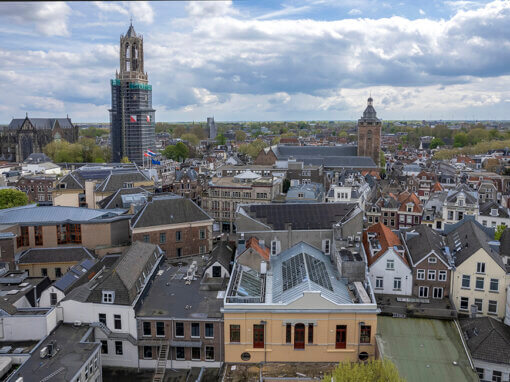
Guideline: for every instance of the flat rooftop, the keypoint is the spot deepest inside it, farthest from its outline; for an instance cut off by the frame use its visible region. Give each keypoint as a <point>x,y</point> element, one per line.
<point>171,296</point>
<point>424,349</point>
<point>70,356</point>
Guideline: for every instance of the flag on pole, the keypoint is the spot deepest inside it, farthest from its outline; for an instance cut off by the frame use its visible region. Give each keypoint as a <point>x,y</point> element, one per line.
<point>146,155</point>
<point>151,153</point>
<point>148,118</point>
<point>154,161</point>
<point>132,118</point>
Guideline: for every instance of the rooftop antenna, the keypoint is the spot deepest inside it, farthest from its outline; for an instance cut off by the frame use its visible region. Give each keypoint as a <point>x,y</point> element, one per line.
<point>131,21</point>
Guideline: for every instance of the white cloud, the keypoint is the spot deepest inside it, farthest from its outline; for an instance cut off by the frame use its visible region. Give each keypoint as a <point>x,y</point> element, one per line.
<point>354,12</point>
<point>207,9</point>
<point>422,12</point>
<point>284,12</point>
<point>140,10</point>
<point>50,19</point>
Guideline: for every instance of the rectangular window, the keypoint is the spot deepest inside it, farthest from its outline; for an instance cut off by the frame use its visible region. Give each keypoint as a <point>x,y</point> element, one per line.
<point>195,329</point>
<point>179,252</point>
<point>273,247</point>
<point>479,283</point>
<point>179,353</point>
<point>108,297</point>
<point>146,238</point>
<point>479,304</point>
<point>195,353</point>
<point>235,333</point>
<point>202,234</point>
<point>480,373</point>
<point>390,265</point>
<point>209,330</point>
<point>420,274</point>
<point>69,233</point>
<point>494,285</point>
<point>160,329</point>
<point>147,352</point>
<point>480,267</point>
<point>432,260</point>
<point>44,272</point>
<point>288,333</point>
<point>117,322</point>
<point>23,238</point>
<point>365,334</point>
<point>209,353</point>
<point>118,348</point>
<point>38,232</point>
<point>179,329</point>
<point>58,272</point>
<point>379,283</point>
<point>442,276</point>
<point>102,318</point>
<point>147,331</point>
<point>258,336</point>
<point>424,291</point>
<point>497,376</point>
<point>466,281</point>
<point>431,274</point>
<point>327,247</point>
<point>437,293</point>
<point>162,237</point>
<point>493,307</point>
<point>397,283</point>
<point>341,337</point>
<point>178,235</point>
<point>104,347</point>
<point>464,303</point>
<point>53,299</point>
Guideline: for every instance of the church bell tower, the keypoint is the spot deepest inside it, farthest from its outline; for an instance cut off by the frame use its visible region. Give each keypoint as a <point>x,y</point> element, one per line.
<point>369,133</point>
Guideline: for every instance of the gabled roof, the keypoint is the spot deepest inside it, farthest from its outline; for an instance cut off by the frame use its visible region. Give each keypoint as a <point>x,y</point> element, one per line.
<point>464,190</point>
<point>116,200</point>
<point>407,198</point>
<point>167,210</point>
<point>54,255</point>
<point>387,239</point>
<point>467,237</point>
<point>222,253</point>
<point>487,338</point>
<point>436,187</point>
<point>487,207</point>
<point>301,216</point>
<point>41,123</point>
<point>422,240</point>
<point>118,179</point>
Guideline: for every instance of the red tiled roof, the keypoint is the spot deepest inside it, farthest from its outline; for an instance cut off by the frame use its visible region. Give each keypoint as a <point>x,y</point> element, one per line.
<point>253,243</point>
<point>387,239</point>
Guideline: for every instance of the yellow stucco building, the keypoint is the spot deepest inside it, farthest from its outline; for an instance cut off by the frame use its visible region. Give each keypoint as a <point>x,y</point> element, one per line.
<point>296,308</point>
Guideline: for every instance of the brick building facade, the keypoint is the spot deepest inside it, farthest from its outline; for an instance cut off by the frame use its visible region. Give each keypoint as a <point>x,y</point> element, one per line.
<point>369,133</point>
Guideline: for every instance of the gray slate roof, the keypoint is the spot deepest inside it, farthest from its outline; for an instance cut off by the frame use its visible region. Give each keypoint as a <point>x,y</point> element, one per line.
<point>425,241</point>
<point>301,216</point>
<point>470,195</point>
<point>284,152</point>
<point>77,275</point>
<point>223,254</point>
<point>117,180</point>
<point>116,200</point>
<point>485,209</point>
<point>166,210</point>
<point>42,123</point>
<point>487,338</point>
<point>58,255</point>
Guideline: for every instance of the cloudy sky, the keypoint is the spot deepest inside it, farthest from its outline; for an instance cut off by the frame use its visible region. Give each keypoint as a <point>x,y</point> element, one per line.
<point>262,60</point>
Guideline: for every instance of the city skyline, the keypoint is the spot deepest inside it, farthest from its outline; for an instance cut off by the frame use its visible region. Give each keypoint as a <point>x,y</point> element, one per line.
<point>312,60</point>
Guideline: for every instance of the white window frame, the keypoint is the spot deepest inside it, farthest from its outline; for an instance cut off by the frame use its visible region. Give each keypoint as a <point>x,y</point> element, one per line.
<point>489,305</point>
<point>432,260</point>
<point>480,268</point>
<point>326,246</point>
<point>379,280</point>
<point>490,285</point>
<point>392,262</point>
<point>420,274</point>
<point>434,292</point>
<point>399,281</point>
<point>431,274</point>
<point>467,304</point>
<point>442,275</point>
<point>423,291</point>
<point>108,297</point>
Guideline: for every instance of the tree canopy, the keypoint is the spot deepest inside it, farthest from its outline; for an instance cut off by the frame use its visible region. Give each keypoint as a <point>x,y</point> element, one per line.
<point>84,151</point>
<point>177,152</point>
<point>372,371</point>
<point>220,139</point>
<point>252,149</point>
<point>499,231</point>
<point>12,198</point>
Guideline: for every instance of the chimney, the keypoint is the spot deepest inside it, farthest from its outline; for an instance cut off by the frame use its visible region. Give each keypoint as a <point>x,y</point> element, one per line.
<point>473,310</point>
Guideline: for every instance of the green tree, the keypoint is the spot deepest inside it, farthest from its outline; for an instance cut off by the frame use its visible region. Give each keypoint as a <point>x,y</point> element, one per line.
<point>252,149</point>
<point>192,139</point>
<point>240,136</point>
<point>12,198</point>
<point>177,152</point>
<point>220,139</point>
<point>372,371</point>
<point>198,131</point>
<point>178,131</point>
<point>125,160</point>
<point>436,142</point>
<point>460,139</point>
<point>499,231</point>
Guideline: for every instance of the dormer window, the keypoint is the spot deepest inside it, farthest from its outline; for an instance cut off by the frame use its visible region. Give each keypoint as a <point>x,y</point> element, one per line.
<point>494,212</point>
<point>128,184</point>
<point>108,297</point>
<point>432,260</point>
<point>461,202</point>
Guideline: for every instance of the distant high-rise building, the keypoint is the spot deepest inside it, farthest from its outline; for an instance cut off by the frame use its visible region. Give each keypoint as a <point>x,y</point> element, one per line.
<point>211,126</point>
<point>369,133</point>
<point>131,115</point>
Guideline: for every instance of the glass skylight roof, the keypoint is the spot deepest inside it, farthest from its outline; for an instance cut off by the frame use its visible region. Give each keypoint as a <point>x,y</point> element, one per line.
<point>293,272</point>
<point>318,272</point>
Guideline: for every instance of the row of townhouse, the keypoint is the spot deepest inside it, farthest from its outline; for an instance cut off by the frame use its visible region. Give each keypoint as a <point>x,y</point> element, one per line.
<point>460,264</point>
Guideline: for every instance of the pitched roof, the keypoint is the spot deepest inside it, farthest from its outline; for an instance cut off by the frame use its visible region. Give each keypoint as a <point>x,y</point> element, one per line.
<point>487,338</point>
<point>54,255</point>
<point>41,123</point>
<point>410,198</point>
<point>301,216</point>
<point>387,239</point>
<point>166,210</point>
<point>117,180</point>
<point>437,187</point>
<point>116,200</point>
<point>422,240</point>
<point>222,253</point>
<point>253,243</point>
<point>487,207</point>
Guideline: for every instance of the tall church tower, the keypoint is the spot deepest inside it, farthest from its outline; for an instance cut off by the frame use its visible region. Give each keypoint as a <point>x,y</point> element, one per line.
<point>131,116</point>
<point>369,133</point>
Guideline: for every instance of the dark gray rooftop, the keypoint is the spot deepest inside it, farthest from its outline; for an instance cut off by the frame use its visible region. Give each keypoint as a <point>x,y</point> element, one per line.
<point>117,180</point>
<point>487,338</point>
<point>487,207</point>
<point>42,123</point>
<point>166,210</point>
<point>299,152</point>
<point>423,241</point>
<point>116,201</point>
<point>51,255</point>
<point>301,216</point>
<point>169,295</point>
<point>73,352</point>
